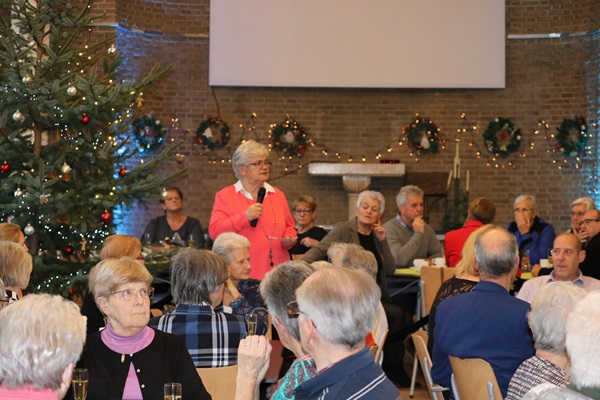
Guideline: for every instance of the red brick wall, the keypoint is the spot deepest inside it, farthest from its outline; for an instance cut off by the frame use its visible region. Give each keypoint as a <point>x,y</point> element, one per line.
<point>546,78</point>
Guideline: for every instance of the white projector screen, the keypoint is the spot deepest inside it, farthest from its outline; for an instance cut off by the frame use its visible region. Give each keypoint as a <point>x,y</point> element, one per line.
<point>358,43</point>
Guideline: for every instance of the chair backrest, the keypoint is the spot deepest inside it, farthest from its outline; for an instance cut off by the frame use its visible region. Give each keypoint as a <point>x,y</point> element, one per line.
<point>420,338</point>
<point>380,331</point>
<point>472,376</point>
<point>432,278</point>
<point>379,353</point>
<point>219,382</point>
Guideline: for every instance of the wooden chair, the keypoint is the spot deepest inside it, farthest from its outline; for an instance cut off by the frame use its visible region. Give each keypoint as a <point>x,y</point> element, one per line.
<point>420,338</point>
<point>432,278</point>
<point>297,257</point>
<point>156,312</point>
<point>219,382</point>
<point>379,332</point>
<point>475,379</point>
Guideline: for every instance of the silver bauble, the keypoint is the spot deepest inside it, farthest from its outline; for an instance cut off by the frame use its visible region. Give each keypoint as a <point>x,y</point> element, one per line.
<point>29,230</point>
<point>18,193</point>
<point>71,90</point>
<point>18,116</point>
<point>66,168</point>
<point>27,79</point>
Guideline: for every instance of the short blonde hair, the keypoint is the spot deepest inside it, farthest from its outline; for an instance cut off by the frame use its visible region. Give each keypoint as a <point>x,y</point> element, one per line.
<point>10,232</point>
<point>467,263</point>
<point>111,273</point>
<point>117,246</point>
<point>15,264</point>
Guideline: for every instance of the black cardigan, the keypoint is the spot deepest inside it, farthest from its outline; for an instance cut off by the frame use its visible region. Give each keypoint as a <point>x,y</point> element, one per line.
<point>165,360</point>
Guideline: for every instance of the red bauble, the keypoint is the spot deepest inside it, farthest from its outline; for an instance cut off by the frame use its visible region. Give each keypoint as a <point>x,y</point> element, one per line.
<point>69,250</point>
<point>106,217</point>
<point>5,168</point>
<point>122,172</point>
<point>85,119</point>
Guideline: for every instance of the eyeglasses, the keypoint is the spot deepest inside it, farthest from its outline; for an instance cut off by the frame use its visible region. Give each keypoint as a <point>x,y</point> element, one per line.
<point>567,252</point>
<point>523,210</point>
<point>260,164</point>
<point>130,294</point>
<point>292,309</point>
<point>587,221</point>
<point>306,211</point>
<point>577,213</point>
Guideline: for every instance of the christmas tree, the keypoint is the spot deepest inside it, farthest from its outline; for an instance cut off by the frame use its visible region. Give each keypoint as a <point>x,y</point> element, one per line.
<point>66,134</point>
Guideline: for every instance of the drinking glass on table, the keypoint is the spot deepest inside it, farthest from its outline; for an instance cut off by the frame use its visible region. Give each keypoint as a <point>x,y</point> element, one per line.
<point>172,391</point>
<point>251,323</point>
<point>525,262</point>
<point>550,258</point>
<point>80,383</point>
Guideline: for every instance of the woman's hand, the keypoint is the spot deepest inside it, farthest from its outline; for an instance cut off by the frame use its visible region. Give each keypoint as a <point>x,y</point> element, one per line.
<point>253,361</point>
<point>254,211</point>
<point>233,291</point>
<point>379,230</point>
<point>288,242</point>
<point>308,242</point>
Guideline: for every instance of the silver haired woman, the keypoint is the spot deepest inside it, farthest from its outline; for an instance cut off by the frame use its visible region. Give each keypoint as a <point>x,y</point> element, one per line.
<point>129,360</point>
<point>237,206</point>
<point>39,367</point>
<point>241,292</point>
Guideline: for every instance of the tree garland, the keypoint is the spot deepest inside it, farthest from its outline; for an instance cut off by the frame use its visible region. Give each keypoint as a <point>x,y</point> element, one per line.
<point>422,136</point>
<point>289,137</point>
<point>509,135</point>
<point>213,134</point>
<point>149,133</point>
<point>572,128</point>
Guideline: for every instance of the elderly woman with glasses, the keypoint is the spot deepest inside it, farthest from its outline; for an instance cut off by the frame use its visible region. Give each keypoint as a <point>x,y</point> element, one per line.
<point>128,359</point>
<point>304,209</point>
<point>279,291</point>
<point>255,209</point>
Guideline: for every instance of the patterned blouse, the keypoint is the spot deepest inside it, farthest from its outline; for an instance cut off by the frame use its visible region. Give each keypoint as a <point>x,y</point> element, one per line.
<point>532,372</point>
<point>300,371</point>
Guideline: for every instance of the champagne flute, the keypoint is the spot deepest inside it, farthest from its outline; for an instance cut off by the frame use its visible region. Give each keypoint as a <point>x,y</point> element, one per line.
<point>251,323</point>
<point>172,391</point>
<point>80,383</point>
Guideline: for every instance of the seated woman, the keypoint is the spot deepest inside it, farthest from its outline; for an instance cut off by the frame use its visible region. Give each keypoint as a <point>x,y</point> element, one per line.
<point>15,269</point>
<point>174,228</point>
<point>548,320</point>
<point>304,211</point>
<point>128,359</point>
<point>241,292</point>
<point>197,283</point>
<point>115,246</point>
<point>279,289</point>
<point>465,278</point>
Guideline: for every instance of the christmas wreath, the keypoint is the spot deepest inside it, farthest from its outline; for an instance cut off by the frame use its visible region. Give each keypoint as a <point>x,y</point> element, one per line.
<point>213,133</point>
<point>422,136</point>
<point>289,137</point>
<point>149,133</point>
<point>502,137</point>
<point>572,136</point>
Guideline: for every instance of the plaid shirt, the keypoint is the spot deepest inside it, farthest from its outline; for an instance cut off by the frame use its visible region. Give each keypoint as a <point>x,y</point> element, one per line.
<point>212,338</point>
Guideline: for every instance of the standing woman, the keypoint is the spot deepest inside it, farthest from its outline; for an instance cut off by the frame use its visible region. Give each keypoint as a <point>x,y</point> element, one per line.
<point>236,206</point>
<point>128,359</point>
<point>174,226</point>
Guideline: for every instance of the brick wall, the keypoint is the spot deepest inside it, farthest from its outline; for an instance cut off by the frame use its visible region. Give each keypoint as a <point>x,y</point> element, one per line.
<point>546,78</point>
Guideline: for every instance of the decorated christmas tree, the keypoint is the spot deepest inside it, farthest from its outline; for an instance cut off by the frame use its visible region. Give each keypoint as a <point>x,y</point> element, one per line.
<point>66,135</point>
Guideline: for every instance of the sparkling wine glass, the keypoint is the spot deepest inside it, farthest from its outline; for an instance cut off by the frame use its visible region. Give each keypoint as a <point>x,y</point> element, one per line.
<point>80,383</point>
<point>172,391</point>
<point>251,323</point>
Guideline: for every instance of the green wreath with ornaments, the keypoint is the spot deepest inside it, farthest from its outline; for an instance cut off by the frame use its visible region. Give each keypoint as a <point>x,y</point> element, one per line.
<point>502,137</point>
<point>213,134</point>
<point>572,138</point>
<point>422,136</point>
<point>289,138</point>
<point>149,133</point>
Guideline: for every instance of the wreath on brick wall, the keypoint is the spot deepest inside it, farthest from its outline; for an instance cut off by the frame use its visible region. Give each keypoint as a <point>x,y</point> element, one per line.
<point>422,136</point>
<point>572,136</point>
<point>289,138</point>
<point>213,133</point>
<point>502,137</point>
<point>149,133</point>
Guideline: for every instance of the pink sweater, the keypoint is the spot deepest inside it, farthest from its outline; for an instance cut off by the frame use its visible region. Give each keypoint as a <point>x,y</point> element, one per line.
<point>27,393</point>
<point>229,215</point>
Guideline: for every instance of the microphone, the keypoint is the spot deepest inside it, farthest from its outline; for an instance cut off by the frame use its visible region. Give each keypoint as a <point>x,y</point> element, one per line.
<point>259,199</point>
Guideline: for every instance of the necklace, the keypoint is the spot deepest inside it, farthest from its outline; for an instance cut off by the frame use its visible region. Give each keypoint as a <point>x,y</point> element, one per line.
<point>124,351</point>
<point>270,238</point>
